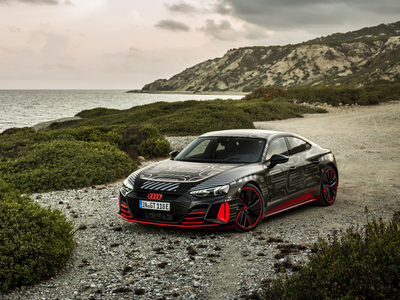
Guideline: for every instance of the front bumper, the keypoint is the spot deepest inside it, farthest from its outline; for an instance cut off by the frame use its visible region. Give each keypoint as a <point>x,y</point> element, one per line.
<point>185,211</point>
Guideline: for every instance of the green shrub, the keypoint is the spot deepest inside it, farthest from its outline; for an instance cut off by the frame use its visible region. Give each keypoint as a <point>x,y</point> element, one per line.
<point>333,95</point>
<point>265,93</point>
<point>368,95</point>
<point>35,242</point>
<point>95,112</point>
<point>364,264</point>
<point>62,164</point>
<point>196,117</point>
<point>154,147</point>
<point>145,140</point>
<point>75,157</point>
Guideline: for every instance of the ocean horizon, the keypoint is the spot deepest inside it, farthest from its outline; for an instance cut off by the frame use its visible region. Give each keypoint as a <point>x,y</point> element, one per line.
<point>26,108</point>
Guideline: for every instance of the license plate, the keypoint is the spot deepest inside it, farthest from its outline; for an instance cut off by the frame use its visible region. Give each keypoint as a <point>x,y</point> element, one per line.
<point>154,205</point>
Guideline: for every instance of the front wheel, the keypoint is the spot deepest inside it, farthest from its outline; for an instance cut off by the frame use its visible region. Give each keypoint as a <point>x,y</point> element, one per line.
<point>250,208</point>
<point>329,185</point>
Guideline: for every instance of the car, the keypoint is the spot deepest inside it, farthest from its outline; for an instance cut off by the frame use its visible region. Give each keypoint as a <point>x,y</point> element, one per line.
<point>230,179</point>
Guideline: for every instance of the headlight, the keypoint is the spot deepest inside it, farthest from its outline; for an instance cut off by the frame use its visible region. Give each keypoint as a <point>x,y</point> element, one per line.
<point>211,192</point>
<point>127,186</point>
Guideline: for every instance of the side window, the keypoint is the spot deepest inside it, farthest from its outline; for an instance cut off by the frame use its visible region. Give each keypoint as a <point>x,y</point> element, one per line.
<point>277,146</point>
<point>297,145</point>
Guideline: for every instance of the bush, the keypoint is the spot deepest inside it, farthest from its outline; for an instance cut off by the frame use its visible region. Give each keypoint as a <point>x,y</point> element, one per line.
<point>145,140</point>
<point>196,117</point>
<point>368,95</point>
<point>75,157</point>
<point>364,264</point>
<point>35,242</point>
<point>62,164</point>
<point>333,95</point>
<point>265,93</point>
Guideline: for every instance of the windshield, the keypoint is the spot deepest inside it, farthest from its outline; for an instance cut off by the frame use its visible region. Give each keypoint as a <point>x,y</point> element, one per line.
<point>223,150</point>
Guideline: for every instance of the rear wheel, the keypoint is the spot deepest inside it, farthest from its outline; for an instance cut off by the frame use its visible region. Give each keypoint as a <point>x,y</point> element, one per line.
<point>250,208</point>
<point>329,185</point>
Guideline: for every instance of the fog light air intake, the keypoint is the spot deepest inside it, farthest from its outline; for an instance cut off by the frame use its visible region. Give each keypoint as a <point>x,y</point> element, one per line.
<point>223,213</point>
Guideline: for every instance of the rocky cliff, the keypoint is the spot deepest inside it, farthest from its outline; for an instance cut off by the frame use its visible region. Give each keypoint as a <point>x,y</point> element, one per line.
<point>360,57</point>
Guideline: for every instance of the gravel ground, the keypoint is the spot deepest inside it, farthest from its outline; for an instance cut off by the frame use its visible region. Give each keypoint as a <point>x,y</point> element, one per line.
<point>115,259</point>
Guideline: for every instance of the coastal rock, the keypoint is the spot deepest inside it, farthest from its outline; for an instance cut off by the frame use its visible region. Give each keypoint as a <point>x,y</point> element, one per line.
<point>48,123</point>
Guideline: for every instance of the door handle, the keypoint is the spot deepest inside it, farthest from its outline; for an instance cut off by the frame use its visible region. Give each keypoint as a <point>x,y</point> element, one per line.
<point>292,168</point>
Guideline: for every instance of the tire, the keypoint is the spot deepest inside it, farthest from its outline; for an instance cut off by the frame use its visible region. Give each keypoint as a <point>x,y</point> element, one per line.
<point>250,209</point>
<point>329,184</point>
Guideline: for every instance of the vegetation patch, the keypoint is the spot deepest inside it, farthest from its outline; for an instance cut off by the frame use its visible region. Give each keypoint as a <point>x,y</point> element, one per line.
<point>332,95</point>
<point>35,242</point>
<point>363,264</point>
<point>197,117</point>
<point>75,157</point>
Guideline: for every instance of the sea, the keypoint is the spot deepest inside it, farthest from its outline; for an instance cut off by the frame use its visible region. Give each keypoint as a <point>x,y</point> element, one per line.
<point>25,108</point>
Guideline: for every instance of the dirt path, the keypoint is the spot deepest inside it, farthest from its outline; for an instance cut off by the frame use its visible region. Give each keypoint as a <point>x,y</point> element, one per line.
<point>366,143</point>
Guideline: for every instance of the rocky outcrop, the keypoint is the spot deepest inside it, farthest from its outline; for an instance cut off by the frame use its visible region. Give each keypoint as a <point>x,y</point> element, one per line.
<point>363,57</point>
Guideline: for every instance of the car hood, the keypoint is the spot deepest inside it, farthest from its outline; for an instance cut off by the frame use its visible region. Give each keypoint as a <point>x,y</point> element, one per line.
<point>181,171</point>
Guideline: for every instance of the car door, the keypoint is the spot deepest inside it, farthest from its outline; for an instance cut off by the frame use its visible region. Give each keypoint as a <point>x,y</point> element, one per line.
<point>276,176</point>
<point>306,174</point>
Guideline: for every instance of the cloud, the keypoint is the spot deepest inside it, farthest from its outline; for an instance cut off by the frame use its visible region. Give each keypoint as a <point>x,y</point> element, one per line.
<point>7,50</point>
<point>14,29</point>
<point>253,32</point>
<point>172,25</point>
<point>47,2</point>
<point>280,14</point>
<point>225,32</point>
<point>222,31</point>
<point>181,7</point>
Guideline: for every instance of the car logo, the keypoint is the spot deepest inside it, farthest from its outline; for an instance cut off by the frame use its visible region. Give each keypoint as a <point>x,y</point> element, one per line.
<point>152,196</point>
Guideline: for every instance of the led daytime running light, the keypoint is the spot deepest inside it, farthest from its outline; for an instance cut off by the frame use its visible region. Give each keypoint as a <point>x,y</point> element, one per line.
<point>212,192</point>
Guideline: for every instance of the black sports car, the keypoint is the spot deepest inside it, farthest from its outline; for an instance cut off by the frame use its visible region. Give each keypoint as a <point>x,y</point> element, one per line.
<point>231,179</point>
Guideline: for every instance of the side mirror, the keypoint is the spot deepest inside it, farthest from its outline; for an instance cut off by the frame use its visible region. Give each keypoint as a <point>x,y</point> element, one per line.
<point>277,159</point>
<point>173,154</point>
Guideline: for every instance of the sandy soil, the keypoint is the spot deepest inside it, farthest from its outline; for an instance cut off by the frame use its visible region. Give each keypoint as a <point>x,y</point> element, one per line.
<point>366,144</point>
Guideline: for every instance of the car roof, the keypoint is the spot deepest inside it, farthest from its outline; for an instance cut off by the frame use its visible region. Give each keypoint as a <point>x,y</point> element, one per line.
<point>253,133</point>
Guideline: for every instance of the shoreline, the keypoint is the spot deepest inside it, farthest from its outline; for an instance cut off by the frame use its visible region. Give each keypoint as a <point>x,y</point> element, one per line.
<point>186,92</point>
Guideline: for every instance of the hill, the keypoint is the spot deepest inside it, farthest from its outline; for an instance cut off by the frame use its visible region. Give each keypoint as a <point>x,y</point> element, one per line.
<point>367,56</point>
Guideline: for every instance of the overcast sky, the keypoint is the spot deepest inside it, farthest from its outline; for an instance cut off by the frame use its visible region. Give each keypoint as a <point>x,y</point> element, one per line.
<point>124,44</point>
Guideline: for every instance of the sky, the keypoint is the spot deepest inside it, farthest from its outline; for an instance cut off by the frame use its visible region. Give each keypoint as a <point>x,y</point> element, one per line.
<point>125,44</point>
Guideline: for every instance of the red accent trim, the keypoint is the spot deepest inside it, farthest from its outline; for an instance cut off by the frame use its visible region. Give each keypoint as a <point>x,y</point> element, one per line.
<point>195,213</point>
<point>194,218</point>
<point>202,222</point>
<point>248,220</point>
<point>310,191</point>
<point>261,208</point>
<point>172,225</point>
<point>124,206</point>
<point>291,204</point>
<point>223,213</point>
<point>334,174</point>
<point>126,218</point>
